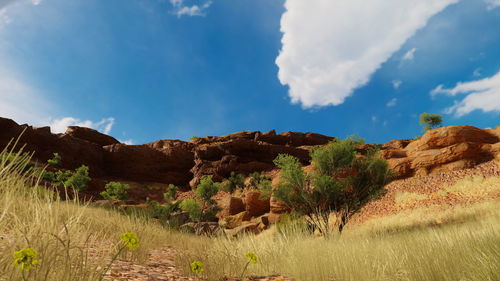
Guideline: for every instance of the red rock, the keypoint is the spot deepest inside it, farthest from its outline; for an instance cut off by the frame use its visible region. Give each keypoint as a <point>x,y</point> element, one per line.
<point>461,151</point>
<point>277,207</point>
<point>254,205</point>
<point>396,144</point>
<point>450,135</point>
<point>393,153</point>
<point>90,135</point>
<point>401,167</point>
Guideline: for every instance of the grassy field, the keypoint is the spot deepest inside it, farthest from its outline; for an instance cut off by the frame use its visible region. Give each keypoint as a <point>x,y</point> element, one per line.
<point>75,242</point>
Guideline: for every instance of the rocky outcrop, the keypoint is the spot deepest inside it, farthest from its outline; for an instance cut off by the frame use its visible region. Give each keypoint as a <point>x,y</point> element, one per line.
<point>165,161</point>
<point>440,150</point>
<point>90,135</point>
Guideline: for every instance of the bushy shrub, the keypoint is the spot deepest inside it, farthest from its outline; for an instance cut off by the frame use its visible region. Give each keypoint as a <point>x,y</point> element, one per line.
<point>193,208</point>
<point>234,182</point>
<point>55,161</point>
<point>79,179</point>
<point>206,189</point>
<point>115,191</point>
<point>193,138</point>
<point>341,183</point>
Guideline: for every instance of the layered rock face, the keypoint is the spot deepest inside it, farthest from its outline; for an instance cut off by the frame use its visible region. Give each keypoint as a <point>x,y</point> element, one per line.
<point>442,149</point>
<point>184,163</point>
<point>165,161</point>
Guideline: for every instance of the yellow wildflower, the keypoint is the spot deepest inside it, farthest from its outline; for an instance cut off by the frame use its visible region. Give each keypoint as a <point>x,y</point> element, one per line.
<point>252,258</point>
<point>130,240</point>
<point>26,258</point>
<point>197,267</point>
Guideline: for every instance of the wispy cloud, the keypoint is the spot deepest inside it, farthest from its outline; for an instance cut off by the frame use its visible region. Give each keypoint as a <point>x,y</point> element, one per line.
<point>492,4</point>
<point>481,94</point>
<point>60,125</point>
<point>183,9</point>
<point>396,84</point>
<point>410,55</point>
<point>476,72</point>
<point>392,102</point>
<point>352,50</point>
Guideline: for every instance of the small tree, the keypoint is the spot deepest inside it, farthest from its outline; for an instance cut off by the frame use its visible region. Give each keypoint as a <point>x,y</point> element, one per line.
<point>192,207</point>
<point>171,194</point>
<point>342,183</point>
<point>204,192</point>
<point>115,191</point>
<point>430,121</point>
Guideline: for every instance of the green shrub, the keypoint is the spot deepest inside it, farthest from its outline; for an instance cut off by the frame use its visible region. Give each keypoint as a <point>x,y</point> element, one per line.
<point>171,194</point>
<point>193,138</point>
<point>430,120</point>
<point>193,208</point>
<point>78,180</point>
<point>206,189</point>
<point>234,182</point>
<point>115,191</point>
<point>55,161</point>
<point>341,184</point>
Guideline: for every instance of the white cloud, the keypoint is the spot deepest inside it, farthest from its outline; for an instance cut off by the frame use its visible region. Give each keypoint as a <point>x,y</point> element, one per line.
<point>410,55</point>
<point>392,102</point>
<point>492,4</point>
<point>181,9</point>
<point>374,118</point>
<point>396,84</point>
<point>330,48</point>
<point>482,95</point>
<point>60,125</point>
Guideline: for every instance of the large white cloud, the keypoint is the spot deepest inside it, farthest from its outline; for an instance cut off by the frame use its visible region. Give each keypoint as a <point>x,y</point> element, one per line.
<point>330,48</point>
<point>482,95</point>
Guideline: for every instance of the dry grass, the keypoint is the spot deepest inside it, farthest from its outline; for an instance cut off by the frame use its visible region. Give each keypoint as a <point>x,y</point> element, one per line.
<point>461,243</point>
<point>476,186</point>
<point>74,241</point>
<point>405,198</point>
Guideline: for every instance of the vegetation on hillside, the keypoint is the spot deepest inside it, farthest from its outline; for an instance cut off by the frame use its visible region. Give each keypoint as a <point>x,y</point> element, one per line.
<point>340,184</point>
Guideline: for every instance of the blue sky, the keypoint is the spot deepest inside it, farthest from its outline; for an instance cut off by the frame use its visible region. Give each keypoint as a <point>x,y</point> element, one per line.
<point>143,70</point>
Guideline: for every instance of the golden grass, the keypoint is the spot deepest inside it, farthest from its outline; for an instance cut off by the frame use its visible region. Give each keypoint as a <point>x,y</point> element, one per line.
<point>469,250</point>
<point>74,241</point>
<point>405,198</point>
<point>474,186</point>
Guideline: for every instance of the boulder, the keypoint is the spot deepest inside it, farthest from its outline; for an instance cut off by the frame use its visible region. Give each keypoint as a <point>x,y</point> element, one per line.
<point>254,205</point>
<point>456,152</point>
<point>232,205</point>
<point>450,135</point>
<point>248,228</point>
<point>90,135</point>
<point>234,221</point>
<point>401,167</point>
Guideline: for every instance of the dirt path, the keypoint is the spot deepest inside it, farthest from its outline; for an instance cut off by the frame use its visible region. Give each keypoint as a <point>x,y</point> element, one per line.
<point>160,267</point>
